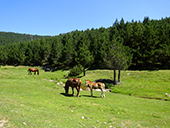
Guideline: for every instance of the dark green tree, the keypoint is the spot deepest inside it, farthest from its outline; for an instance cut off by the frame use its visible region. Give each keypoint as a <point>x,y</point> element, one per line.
<point>84,57</point>
<point>69,52</point>
<point>56,52</point>
<point>4,55</point>
<point>118,57</point>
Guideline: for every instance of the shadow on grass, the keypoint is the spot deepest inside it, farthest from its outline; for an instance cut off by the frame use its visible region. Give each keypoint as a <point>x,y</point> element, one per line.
<point>90,96</point>
<point>105,81</point>
<point>108,82</point>
<point>70,95</point>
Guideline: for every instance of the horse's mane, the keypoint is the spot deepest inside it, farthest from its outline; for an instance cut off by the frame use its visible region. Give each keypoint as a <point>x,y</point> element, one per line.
<point>88,80</point>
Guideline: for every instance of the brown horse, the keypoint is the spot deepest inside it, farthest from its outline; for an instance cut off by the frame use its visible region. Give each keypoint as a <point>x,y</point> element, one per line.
<point>33,70</point>
<point>74,83</point>
<point>93,85</point>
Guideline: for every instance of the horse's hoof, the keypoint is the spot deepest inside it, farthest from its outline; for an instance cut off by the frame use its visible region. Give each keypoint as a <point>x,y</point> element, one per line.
<point>102,96</point>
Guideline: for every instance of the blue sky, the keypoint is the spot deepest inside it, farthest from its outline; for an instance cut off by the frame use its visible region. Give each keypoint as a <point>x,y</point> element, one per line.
<point>52,17</point>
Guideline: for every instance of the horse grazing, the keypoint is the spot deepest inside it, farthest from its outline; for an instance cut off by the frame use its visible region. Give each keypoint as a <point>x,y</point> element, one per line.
<point>33,70</point>
<point>96,85</point>
<point>74,83</point>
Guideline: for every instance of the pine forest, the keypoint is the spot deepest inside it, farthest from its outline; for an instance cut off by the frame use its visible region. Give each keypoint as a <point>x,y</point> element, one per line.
<point>130,45</point>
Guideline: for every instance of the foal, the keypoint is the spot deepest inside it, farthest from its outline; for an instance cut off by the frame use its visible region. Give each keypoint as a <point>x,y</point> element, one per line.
<point>93,85</point>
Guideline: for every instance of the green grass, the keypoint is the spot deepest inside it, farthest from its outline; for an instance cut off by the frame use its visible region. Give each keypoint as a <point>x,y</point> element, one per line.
<point>146,84</point>
<point>34,101</point>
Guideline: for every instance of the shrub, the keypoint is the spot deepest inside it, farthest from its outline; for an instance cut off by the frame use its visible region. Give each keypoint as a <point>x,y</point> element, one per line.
<point>76,70</point>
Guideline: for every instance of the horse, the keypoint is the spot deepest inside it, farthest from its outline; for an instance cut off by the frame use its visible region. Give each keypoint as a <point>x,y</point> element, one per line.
<point>33,70</point>
<point>96,85</point>
<point>73,83</point>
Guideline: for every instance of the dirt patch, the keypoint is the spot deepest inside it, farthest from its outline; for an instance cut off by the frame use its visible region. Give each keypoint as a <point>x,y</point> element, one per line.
<point>154,98</point>
<point>93,103</point>
<point>2,122</point>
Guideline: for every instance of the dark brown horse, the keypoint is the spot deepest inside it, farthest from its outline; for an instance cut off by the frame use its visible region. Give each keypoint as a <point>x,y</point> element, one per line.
<point>93,85</point>
<point>73,83</point>
<point>33,70</point>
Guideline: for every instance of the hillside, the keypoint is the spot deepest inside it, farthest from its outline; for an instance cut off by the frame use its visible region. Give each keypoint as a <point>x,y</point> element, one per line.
<point>147,41</point>
<point>10,37</point>
<point>40,100</point>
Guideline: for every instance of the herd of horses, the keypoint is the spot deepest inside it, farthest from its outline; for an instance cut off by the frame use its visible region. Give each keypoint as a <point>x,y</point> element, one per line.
<point>76,83</point>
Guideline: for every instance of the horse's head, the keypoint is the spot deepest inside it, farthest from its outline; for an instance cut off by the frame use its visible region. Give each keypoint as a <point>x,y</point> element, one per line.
<point>86,82</point>
<point>37,72</point>
<point>67,84</point>
<point>66,88</point>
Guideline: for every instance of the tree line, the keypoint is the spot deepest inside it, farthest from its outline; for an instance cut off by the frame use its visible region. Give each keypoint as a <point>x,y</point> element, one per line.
<point>10,37</point>
<point>140,45</point>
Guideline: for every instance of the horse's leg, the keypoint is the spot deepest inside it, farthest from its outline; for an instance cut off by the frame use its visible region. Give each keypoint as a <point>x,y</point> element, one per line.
<point>78,91</point>
<point>102,93</point>
<point>34,73</point>
<point>73,91</point>
<point>91,92</point>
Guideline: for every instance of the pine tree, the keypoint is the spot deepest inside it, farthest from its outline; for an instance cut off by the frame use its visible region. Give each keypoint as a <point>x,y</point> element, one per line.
<point>118,57</point>
<point>56,52</point>
<point>84,57</point>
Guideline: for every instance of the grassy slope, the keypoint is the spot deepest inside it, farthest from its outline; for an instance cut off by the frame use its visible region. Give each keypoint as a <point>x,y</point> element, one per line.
<point>149,84</point>
<point>33,101</point>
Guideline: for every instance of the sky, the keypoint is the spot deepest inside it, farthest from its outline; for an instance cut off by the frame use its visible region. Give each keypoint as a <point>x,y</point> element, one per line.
<point>54,17</point>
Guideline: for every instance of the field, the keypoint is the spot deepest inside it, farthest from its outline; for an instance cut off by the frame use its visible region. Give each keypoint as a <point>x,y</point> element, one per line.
<point>142,99</point>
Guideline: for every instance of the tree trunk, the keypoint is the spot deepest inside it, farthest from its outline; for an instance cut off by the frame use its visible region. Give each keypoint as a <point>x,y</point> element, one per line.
<point>84,71</point>
<point>119,76</point>
<point>115,83</point>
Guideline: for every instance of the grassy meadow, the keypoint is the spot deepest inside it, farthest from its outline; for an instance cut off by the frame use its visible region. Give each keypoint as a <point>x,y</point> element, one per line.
<point>142,99</point>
